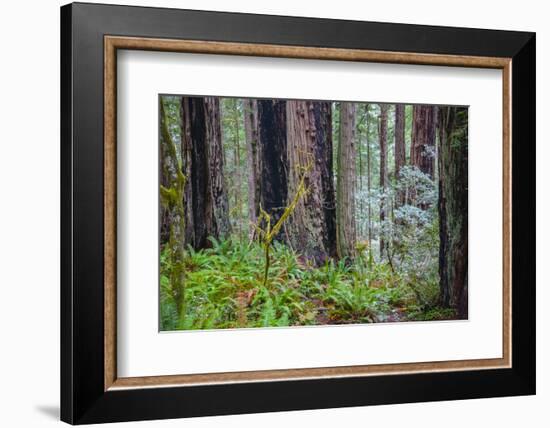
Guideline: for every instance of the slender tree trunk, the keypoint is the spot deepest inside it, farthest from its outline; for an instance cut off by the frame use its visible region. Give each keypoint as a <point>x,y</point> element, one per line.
<point>164,178</point>
<point>383,139</point>
<point>423,138</point>
<point>253,160</point>
<point>311,228</point>
<point>203,145</point>
<point>187,168</point>
<point>453,209</point>
<point>273,155</point>
<point>369,209</point>
<point>360,182</point>
<point>399,148</point>
<point>237,160</point>
<point>345,195</point>
<point>172,199</point>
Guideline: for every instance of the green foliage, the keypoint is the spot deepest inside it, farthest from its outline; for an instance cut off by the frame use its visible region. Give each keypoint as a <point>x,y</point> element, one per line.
<point>411,232</point>
<point>238,284</point>
<point>433,314</point>
<point>224,288</point>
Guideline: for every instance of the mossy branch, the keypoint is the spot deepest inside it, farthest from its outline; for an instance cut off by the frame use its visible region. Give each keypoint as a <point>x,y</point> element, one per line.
<point>268,233</point>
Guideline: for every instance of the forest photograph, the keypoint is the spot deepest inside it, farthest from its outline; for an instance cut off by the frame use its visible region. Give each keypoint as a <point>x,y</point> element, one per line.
<point>283,212</point>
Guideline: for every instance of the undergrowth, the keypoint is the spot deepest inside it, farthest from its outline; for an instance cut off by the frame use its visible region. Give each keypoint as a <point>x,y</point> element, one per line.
<point>225,288</point>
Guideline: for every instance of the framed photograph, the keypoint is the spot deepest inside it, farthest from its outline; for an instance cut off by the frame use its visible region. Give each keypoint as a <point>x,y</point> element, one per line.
<point>265,213</point>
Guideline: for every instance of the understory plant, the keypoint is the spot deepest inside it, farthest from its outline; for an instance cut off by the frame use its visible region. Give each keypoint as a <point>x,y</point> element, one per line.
<point>225,288</point>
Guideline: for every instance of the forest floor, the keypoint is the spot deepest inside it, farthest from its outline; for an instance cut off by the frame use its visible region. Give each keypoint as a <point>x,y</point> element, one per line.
<point>224,288</point>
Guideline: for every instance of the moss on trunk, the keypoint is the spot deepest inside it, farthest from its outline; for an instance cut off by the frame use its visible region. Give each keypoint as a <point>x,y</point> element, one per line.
<point>453,209</point>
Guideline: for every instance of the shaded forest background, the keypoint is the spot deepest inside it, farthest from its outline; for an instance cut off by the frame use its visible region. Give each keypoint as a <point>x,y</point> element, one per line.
<point>295,212</point>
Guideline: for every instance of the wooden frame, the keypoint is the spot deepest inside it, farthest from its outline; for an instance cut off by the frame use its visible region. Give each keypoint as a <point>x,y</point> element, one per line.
<point>112,43</point>
<point>84,378</point>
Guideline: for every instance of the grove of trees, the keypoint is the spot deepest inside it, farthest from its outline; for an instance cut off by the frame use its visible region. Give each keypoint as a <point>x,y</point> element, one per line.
<point>296,212</point>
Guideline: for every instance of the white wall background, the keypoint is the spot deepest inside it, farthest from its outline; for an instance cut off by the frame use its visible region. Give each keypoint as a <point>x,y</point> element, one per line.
<point>29,215</point>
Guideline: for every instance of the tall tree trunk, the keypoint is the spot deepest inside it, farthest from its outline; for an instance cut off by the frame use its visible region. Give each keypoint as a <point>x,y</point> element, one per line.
<point>423,138</point>
<point>173,201</point>
<point>359,182</point>
<point>400,160</point>
<point>273,155</point>
<point>312,227</point>
<point>345,185</point>
<point>383,139</point>
<point>237,162</point>
<point>220,211</point>
<point>369,210</point>
<point>453,209</point>
<point>253,160</point>
<point>164,178</point>
<point>187,168</point>
<point>204,157</point>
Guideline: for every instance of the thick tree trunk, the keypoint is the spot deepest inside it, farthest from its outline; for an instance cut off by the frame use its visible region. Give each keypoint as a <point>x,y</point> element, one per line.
<point>345,185</point>
<point>312,227</point>
<point>383,139</point>
<point>400,160</point>
<point>203,163</point>
<point>253,160</point>
<point>273,155</point>
<point>220,211</point>
<point>453,209</point>
<point>423,138</point>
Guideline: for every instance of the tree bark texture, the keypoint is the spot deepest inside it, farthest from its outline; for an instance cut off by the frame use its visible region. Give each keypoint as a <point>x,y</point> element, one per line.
<point>164,213</point>
<point>400,159</point>
<point>237,164</point>
<point>251,128</point>
<point>453,209</point>
<point>273,155</point>
<point>423,138</point>
<point>345,184</point>
<point>369,209</point>
<point>383,139</point>
<point>203,163</point>
<point>173,201</point>
<point>312,227</point>
<point>186,150</point>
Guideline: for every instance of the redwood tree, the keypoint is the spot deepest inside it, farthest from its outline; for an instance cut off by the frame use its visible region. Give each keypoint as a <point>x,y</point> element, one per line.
<point>453,209</point>
<point>312,227</point>
<point>399,151</point>
<point>251,128</point>
<point>383,139</point>
<point>345,184</point>
<point>423,138</point>
<point>369,209</point>
<point>202,154</point>
<point>273,157</point>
